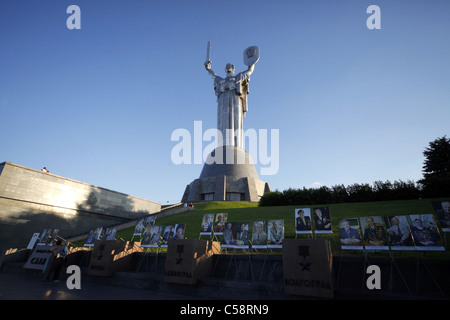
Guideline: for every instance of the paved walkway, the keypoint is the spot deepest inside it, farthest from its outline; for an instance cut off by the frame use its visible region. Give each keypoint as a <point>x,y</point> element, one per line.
<point>22,286</point>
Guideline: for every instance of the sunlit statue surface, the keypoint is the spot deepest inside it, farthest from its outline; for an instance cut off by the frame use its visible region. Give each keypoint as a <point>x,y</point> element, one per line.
<point>231,93</point>
<point>229,173</point>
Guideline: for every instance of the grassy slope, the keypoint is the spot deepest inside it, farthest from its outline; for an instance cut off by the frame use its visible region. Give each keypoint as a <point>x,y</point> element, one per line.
<point>249,212</point>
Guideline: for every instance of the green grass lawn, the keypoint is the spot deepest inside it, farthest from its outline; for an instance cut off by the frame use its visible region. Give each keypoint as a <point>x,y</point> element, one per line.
<point>249,212</point>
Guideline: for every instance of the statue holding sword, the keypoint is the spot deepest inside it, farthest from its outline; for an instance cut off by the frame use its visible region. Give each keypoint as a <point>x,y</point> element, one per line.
<point>231,93</point>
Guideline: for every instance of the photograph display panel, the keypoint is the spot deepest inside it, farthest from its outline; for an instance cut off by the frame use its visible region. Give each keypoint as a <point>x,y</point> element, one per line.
<point>151,236</point>
<point>303,224</point>
<point>179,231</point>
<point>242,235</point>
<point>374,233</point>
<point>228,236</point>
<point>207,224</point>
<point>47,236</point>
<point>425,233</point>
<point>109,234</point>
<point>350,234</point>
<point>219,223</point>
<point>33,240</point>
<point>322,220</point>
<point>259,235</point>
<point>399,233</point>
<point>236,235</point>
<point>275,234</point>
<point>149,221</point>
<point>168,234</point>
<point>44,237</point>
<point>139,228</point>
<point>442,211</point>
<point>93,235</point>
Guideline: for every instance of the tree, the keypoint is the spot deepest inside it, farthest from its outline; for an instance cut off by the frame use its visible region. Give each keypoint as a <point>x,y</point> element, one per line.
<point>436,168</point>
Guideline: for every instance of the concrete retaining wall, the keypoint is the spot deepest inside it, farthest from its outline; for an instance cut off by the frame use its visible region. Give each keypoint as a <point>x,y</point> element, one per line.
<point>32,200</point>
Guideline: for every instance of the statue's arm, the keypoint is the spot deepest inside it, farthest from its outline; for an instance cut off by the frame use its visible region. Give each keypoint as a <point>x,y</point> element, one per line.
<point>250,69</point>
<point>208,68</point>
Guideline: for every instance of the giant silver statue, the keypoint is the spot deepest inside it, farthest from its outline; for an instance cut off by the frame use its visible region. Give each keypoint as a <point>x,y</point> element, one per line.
<point>231,93</point>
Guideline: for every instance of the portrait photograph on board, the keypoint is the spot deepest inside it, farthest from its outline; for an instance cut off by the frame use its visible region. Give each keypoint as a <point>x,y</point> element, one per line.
<point>139,228</point>
<point>442,211</point>
<point>149,221</point>
<point>322,220</point>
<point>219,223</point>
<point>33,240</point>
<point>236,235</point>
<point>168,234</point>
<point>207,223</point>
<point>228,236</point>
<point>275,234</point>
<point>45,237</point>
<point>110,233</point>
<point>425,233</point>
<point>53,236</point>
<point>374,233</point>
<point>259,235</point>
<point>350,234</point>
<point>303,224</point>
<point>399,233</point>
<point>93,236</point>
<point>179,231</point>
<point>242,235</point>
<point>151,236</point>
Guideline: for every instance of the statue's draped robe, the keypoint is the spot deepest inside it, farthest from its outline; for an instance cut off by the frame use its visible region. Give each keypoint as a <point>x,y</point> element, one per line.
<point>231,106</point>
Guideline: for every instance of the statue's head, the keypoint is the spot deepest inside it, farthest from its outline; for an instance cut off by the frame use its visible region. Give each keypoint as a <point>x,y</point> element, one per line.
<point>229,68</point>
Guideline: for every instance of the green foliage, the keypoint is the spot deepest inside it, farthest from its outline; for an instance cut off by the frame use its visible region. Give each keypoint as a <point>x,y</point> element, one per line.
<point>436,168</point>
<point>379,191</point>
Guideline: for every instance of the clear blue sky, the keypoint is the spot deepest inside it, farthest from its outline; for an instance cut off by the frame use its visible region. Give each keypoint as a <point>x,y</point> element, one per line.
<point>99,104</point>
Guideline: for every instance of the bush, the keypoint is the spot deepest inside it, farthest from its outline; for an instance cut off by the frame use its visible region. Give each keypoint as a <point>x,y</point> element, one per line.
<point>379,191</point>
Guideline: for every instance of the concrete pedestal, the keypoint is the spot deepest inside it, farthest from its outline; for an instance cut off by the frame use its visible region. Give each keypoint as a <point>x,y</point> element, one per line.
<point>229,174</point>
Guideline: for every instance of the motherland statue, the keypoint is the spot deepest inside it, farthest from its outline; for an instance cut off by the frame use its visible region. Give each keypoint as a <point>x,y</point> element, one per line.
<point>229,173</point>
<point>231,93</point>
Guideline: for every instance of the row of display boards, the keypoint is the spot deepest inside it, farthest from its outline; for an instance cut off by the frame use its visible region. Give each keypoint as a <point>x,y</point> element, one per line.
<point>399,232</point>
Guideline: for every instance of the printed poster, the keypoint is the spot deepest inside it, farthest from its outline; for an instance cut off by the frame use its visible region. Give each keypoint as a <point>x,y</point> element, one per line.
<point>219,223</point>
<point>93,235</point>
<point>168,234</point>
<point>399,233</point>
<point>139,228</point>
<point>425,233</point>
<point>207,224</point>
<point>151,236</point>
<point>322,220</point>
<point>275,234</point>
<point>350,234</point>
<point>236,235</point>
<point>109,234</point>
<point>442,211</point>
<point>179,231</point>
<point>303,223</point>
<point>259,235</point>
<point>374,233</point>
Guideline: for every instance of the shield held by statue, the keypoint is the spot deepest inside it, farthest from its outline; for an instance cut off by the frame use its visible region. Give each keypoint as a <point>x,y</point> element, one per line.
<point>251,55</point>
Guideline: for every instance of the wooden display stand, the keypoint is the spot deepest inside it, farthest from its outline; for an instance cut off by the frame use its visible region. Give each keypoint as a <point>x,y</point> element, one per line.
<point>307,266</point>
<point>40,257</point>
<point>110,256</point>
<point>189,260</point>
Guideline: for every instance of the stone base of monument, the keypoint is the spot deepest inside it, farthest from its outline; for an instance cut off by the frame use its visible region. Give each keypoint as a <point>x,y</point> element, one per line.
<point>109,256</point>
<point>229,174</point>
<point>189,260</point>
<point>307,266</point>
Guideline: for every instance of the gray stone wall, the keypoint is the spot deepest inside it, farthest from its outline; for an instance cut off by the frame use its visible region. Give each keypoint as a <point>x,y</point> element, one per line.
<point>32,200</point>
